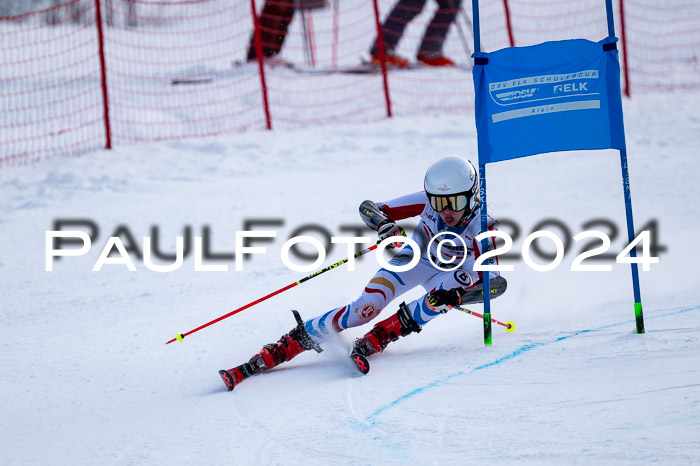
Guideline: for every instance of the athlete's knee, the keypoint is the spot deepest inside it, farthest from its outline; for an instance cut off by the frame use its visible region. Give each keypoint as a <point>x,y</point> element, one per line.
<point>364,312</point>
<point>383,285</point>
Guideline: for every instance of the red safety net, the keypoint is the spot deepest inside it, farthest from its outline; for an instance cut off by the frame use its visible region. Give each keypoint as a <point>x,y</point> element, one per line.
<point>184,68</point>
<point>661,37</point>
<point>426,89</point>
<point>663,44</point>
<point>325,43</point>
<point>330,48</point>
<point>535,21</point>
<point>49,84</point>
<point>173,71</point>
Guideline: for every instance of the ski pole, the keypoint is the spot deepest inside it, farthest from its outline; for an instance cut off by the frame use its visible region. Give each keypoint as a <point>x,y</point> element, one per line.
<point>181,336</point>
<point>462,36</point>
<point>470,26</point>
<point>509,325</point>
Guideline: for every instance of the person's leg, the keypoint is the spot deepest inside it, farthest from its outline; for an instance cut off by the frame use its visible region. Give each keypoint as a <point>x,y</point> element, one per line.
<point>274,22</point>
<point>435,33</point>
<point>287,347</point>
<point>411,317</point>
<point>381,289</point>
<point>392,29</point>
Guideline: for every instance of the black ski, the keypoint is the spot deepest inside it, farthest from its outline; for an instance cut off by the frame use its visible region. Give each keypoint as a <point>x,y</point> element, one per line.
<point>360,362</point>
<point>475,294</point>
<point>179,81</point>
<point>202,75</point>
<point>365,68</point>
<point>228,379</point>
<point>362,68</point>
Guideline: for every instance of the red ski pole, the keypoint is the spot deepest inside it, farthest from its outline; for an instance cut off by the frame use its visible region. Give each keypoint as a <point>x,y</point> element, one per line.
<point>181,336</point>
<point>509,325</point>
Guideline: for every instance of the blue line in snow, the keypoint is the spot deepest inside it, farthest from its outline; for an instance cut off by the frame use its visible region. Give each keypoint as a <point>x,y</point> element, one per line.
<point>523,349</point>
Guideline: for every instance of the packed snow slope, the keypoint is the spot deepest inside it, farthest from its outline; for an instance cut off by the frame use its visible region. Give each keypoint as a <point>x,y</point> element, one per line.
<point>87,378</point>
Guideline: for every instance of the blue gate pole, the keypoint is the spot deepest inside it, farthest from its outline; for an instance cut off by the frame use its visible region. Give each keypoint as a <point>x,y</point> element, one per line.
<point>475,26</point>
<point>484,247</point>
<point>482,194</point>
<point>638,316</point>
<point>611,19</point>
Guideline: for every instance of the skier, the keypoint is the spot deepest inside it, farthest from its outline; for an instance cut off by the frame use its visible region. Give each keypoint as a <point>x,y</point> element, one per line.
<point>450,205</point>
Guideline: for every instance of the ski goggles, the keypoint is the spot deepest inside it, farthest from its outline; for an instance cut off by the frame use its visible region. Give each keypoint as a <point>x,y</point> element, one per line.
<point>455,202</point>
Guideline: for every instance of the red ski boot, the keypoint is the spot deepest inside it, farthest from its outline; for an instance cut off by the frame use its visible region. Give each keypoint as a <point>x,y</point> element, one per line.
<point>287,347</point>
<point>435,61</point>
<point>376,340</point>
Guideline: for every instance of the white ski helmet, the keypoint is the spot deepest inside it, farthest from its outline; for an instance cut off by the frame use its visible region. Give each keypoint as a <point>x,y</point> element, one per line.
<point>452,181</point>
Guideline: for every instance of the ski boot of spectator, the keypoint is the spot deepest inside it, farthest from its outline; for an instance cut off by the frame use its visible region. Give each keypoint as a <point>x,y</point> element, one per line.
<point>435,61</point>
<point>392,61</point>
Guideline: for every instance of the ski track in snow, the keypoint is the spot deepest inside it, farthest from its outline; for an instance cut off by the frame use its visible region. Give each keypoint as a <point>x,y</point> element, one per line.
<point>372,418</point>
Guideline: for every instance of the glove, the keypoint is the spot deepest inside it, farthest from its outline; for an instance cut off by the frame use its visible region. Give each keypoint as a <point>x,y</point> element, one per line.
<point>387,229</point>
<point>444,298</point>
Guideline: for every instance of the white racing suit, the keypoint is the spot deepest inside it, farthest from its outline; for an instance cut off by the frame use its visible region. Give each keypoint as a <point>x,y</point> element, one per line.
<point>386,285</point>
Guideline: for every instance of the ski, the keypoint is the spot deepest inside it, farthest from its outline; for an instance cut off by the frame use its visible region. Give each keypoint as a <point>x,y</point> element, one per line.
<point>363,67</point>
<point>366,68</point>
<point>233,377</point>
<point>475,294</point>
<point>204,75</point>
<point>228,379</point>
<point>179,81</point>
<point>360,362</point>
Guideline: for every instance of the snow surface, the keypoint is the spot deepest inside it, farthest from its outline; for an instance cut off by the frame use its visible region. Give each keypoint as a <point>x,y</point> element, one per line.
<point>87,378</point>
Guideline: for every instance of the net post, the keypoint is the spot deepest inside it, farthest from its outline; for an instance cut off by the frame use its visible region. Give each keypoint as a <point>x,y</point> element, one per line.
<point>382,58</point>
<point>506,9</point>
<point>623,40</point>
<point>261,67</point>
<point>103,75</point>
